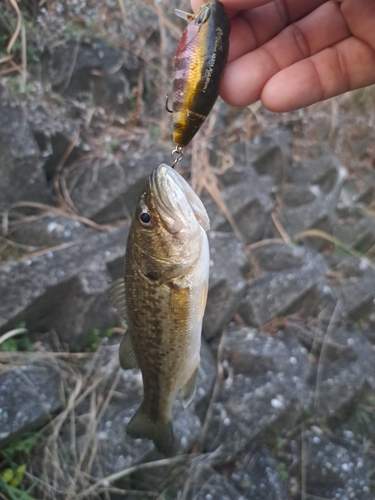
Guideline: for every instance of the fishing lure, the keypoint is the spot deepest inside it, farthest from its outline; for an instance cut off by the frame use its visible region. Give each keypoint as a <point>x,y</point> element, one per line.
<point>199,63</point>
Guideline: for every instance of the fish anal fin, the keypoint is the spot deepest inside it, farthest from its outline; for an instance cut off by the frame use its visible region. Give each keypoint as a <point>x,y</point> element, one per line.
<point>127,356</point>
<point>188,390</point>
<point>116,295</point>
<point>161,433</point>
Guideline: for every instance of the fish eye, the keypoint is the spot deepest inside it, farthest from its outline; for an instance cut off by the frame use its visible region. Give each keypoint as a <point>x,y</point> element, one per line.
<point>145,218</point>
<point>203,16</point>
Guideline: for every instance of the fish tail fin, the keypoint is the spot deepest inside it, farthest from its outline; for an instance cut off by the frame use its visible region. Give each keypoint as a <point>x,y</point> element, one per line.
<point>161,433</point>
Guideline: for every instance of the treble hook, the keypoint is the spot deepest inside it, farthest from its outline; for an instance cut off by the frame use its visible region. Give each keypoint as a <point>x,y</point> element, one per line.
<point>166,104</point>
<point>178,154</point>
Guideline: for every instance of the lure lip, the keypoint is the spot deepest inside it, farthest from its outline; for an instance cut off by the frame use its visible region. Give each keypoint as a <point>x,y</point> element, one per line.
<point>186,16</point>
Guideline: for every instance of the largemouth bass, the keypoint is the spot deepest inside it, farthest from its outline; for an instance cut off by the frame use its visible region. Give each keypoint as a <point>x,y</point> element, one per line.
<point>163,297</point>
<point>199,63</point>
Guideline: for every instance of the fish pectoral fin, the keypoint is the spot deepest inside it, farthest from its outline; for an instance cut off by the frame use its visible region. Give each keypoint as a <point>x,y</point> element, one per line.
<point>116,295</point>
<point>161,433</point>
<point>127,356</point>
<point>188,390</point>
<point>186,16</point>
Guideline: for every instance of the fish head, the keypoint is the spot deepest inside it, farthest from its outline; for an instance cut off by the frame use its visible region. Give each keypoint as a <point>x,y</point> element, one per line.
<point>168,226</point>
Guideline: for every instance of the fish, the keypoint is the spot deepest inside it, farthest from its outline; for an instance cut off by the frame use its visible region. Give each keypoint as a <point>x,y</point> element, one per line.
<point>162,297</point>
<point>199,63</point>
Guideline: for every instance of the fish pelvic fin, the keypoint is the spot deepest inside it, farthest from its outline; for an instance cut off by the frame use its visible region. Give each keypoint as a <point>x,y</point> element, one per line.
<point>188,390</point>
<point>161,433</point>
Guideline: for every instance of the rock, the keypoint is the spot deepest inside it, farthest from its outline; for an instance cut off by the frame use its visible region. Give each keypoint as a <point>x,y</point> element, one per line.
<point>277,257</point>
<point>289,278</point>
<point>54,130</point>
<point>325,171</point>
<point>315,215</point>
<point>295,195</point>
<point>108,192</point>
<point>341,380</point>
<point>264,390</point>
<point>268,154</point>
<point>359,190</point>
<point>48,231</point>
<point>202,482</point>
<point>358,294</point>
<point>325,176</point>
<point>94,69</point>
<point>366,188</point>
<point>29,396</point>
<point>319,342</point>
<point>360,146</point>
<point>337,471</point>
<point>357,230</point>
<point>21,175</point>
<point>248,199</point>
<point>343,267</point>
<point>256,476</point>
<point>65,290</point>
<point>228,265</point>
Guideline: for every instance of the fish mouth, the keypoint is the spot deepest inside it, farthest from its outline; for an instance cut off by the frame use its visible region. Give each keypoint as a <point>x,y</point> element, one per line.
<point>175,200</point>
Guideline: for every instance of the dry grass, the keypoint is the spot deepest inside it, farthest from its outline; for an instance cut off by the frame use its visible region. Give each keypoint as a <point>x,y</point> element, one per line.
<point>65,463</point>
<point>66,471</point>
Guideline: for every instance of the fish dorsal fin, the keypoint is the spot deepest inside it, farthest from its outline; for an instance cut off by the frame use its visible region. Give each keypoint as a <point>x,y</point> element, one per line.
<point>188,390</point>
<point>116,295</point>
<point>127,356</point>
<point>186,16</point>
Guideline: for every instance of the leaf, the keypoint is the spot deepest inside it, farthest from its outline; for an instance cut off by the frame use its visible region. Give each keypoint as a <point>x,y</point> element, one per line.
<point>20,471</point>
<point>12,493</point>
<point>7,475</point>
<point>24,445</point>
<point>14,482</point>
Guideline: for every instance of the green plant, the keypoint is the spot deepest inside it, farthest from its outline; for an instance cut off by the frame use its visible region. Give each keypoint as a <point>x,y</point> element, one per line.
<point>19,342</point>
<point>13,492</point>
<point>14,477</point>
<point>94,339</point>
<point>338,250</point>
<point>24,445</point>
<point>15,87</point>
<point>3,45</point>
<point>108,333</point>
<point>13,467</point>
<point>283,471</point>
<point>115,144</point>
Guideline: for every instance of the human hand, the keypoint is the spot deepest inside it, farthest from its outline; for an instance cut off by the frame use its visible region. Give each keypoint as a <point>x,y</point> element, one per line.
<point>293,53</point>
